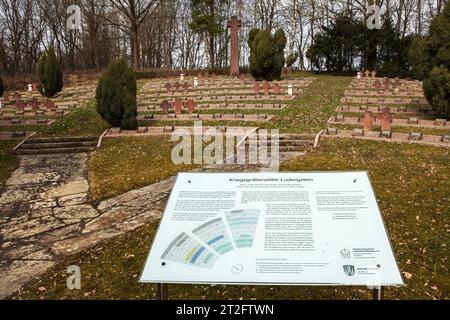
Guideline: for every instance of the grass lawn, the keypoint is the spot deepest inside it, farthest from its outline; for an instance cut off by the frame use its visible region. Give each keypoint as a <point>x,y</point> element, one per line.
<point>127,163</point>
<point>411,183</point>
<point>8,161</point>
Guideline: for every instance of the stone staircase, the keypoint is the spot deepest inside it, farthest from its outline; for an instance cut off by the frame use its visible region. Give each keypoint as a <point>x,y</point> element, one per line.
<point>57,145</point>
<point>290,145</point>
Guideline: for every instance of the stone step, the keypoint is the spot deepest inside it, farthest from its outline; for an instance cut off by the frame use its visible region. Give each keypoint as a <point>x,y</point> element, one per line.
<point>21,151</point>
<point>62,139</point>
<point>58,145</point>
<point>289,148</point>
<point>298,137</point>
<point>286,142</point>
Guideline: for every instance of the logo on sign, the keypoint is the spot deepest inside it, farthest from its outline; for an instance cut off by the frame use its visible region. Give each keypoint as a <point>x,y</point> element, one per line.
<point>349,270</point>
<point>346,254</point>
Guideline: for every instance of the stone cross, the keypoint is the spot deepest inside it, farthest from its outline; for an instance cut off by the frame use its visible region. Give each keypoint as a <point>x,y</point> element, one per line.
<point>367,121</point>
<point>191,105</point>
<point>266,88</point>
<point>234,25</point>
<point>178,106</point>
<point>256,88</point>
<point>386,119</point>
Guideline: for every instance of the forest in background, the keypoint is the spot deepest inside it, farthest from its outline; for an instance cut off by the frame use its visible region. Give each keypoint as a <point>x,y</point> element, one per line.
<point>178,34</point>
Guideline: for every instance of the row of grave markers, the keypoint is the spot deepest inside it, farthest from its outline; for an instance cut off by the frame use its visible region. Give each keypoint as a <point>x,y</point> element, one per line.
<point>266,88</point>
<point>367,74</point>
<point>34,104</point>
<point>178,105</point>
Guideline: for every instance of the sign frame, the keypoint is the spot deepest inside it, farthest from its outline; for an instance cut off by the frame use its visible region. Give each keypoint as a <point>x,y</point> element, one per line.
<point>162,286</point>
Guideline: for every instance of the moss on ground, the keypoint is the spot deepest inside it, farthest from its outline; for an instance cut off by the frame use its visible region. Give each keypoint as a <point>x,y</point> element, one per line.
<point>127,163</point>
<point>411,184</point>
<point>8,161</point>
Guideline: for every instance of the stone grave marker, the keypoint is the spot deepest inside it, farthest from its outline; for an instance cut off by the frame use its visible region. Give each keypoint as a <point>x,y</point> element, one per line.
<point>332,131</point>
<point>374,74</point>
<point>266,88</point>
<point>386,120</point>
<point>415,136</point>
<point>165,105</point>
<point>169,129</point>
<point>256,88</point>
<point>178,106</point>
<point>191,105</point>
<point>358,133</point>
<point>367,121</point>
<point>339,118</point>
<point>276,89</point>
<point>440,122</point>
<point>387,113</point>
<point>413,121</point>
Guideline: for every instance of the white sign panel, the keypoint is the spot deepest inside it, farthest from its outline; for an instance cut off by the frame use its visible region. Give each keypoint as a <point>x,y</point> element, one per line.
<point>272,228</point>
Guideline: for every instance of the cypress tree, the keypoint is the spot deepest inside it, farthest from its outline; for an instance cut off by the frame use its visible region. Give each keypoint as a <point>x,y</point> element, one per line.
<point>430,59</point>
<point>50,74</point>
<point>266,53</point>
<point>116,96</point>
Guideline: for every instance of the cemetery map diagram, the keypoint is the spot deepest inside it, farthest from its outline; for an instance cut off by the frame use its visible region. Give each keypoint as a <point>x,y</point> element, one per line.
<point>214,239</point>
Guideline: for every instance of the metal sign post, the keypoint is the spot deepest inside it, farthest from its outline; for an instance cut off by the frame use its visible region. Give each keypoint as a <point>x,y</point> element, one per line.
<point>162,293</point>
<point>378,293</point>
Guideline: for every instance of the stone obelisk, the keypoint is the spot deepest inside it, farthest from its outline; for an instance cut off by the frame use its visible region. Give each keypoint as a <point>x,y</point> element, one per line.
<point>234,25</point>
